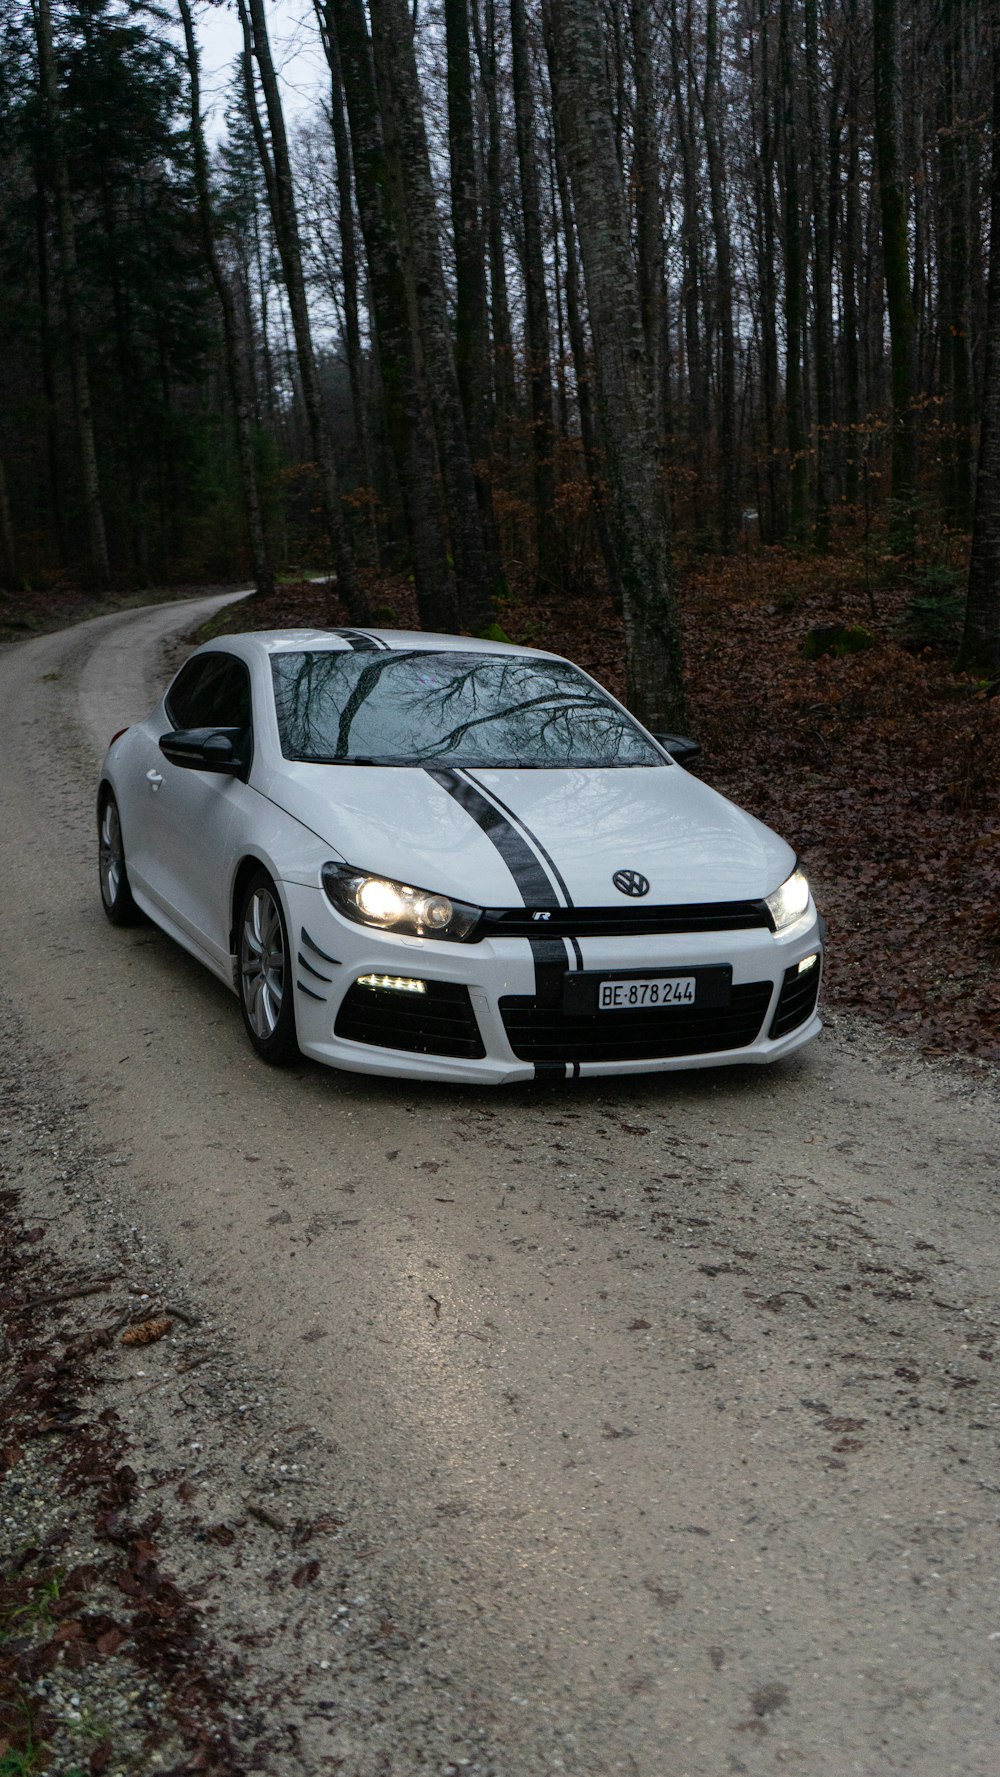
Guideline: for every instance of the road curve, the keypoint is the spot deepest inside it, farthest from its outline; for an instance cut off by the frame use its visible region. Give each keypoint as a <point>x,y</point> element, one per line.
<point>664,1412</point>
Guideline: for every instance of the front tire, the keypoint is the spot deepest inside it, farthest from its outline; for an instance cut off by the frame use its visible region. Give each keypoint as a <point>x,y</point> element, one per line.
<point>116,895</point>
<point>264,974</point>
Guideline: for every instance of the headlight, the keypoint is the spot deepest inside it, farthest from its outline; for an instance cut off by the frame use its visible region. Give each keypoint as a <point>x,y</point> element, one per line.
<point>395,906</point>
<point>789,902</point>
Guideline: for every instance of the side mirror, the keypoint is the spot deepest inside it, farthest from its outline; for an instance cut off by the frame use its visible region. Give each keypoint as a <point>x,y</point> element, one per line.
<point>204,749</point>
<point>679,747</point>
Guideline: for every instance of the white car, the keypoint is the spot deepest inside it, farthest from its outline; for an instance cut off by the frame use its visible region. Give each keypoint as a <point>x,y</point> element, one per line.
<point>427,856</point>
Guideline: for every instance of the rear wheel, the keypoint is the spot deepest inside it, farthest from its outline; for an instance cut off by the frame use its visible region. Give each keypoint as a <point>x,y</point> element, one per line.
<point>264,977</point>
<point>116,895</point>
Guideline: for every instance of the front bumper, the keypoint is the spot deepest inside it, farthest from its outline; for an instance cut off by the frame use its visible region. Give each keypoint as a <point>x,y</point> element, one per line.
<point>496,1011</point>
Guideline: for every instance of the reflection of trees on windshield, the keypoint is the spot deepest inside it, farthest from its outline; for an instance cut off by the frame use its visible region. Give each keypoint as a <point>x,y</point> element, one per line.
<point>449,709</point>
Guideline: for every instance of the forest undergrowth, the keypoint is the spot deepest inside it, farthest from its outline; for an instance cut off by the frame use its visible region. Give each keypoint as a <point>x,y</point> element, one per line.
<point>881,766</point>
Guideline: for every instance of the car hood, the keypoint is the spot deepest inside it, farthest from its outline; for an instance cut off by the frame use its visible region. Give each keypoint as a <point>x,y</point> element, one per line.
<point>578,826</point>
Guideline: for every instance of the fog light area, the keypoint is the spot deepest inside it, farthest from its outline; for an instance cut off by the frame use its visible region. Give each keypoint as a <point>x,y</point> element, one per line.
<point>808,962</point>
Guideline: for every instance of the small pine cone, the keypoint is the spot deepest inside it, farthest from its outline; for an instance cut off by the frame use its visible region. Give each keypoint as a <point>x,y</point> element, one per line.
<point>146,1332</point>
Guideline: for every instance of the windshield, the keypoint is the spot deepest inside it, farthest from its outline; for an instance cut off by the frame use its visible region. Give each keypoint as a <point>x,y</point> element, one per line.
<point>422,708</point>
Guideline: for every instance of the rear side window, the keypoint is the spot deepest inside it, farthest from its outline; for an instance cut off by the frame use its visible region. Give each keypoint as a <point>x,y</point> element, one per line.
<point>212,691</point>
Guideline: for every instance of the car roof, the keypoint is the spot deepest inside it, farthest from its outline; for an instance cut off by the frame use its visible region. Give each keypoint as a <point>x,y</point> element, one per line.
<point>346,640</point>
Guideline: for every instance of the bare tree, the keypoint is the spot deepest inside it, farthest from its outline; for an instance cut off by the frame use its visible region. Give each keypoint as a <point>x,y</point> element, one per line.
<point>100,565</point>
<point>237,362</point>
<point>895,255</point>
<point>980,650</point>
<point>636,494</point>
<point>278,171</point>
<point>417,226</point>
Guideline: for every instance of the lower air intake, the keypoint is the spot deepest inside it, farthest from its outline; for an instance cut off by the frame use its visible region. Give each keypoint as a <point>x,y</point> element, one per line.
<point>438,1022</point>
<point>797,1000</point>
<point>546,1033</point>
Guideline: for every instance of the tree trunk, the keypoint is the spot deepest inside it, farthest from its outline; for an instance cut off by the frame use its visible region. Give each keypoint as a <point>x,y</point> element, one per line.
<point>472,340</point>
<point>349,271</point>
<point>822,280</point>
<point>411,439</point>
<point>648,207</point>
<point>578,346</point>
<point>850,267</point>
<point>773,518</point>
<point>536,306</point>
<point>714,145</point>
<point>637,498</point>
<point>97,544</point>
<point>798,463</point>
<point>691,239</point>
<point>286,228</point>
<point>505,393</point>
<point>417,229</point>
<point>956,294</point>
<point>980,651</point>
<point>471,330</point>
<point>8,559</point>
<point>53,465</point>
<point>237,366</point>
<point>888,137</point>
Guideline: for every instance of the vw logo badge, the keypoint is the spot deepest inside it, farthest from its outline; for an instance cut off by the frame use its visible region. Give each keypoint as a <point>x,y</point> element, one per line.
<point>631,882</point>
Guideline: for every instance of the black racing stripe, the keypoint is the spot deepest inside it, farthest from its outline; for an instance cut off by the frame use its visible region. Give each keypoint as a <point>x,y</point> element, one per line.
<point>550,969</point>
<point>577,952</point>
<point>361,642</point>
<point>311,944</point>
<point>533,884</point>
<point>534,887</point>
<point>532,838</point>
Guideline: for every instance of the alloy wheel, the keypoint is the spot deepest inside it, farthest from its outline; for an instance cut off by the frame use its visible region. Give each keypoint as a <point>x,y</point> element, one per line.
<point>262,963</point>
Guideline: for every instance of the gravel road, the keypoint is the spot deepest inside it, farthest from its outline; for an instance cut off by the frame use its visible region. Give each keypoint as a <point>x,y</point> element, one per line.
<point>659,1418</point>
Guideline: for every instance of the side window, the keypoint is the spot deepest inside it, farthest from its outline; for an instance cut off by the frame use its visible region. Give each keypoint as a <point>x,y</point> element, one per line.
<point>211,692</point>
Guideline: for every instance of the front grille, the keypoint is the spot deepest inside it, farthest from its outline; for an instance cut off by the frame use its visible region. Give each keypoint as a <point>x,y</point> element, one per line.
<point>627,920</point>
<point>797,1000</point>
<point>547,1033</point>
<point>438,1022</point>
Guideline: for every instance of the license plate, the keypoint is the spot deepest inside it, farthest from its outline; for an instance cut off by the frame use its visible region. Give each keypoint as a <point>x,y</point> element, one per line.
<point>699,988</point>
<point>655,990</point>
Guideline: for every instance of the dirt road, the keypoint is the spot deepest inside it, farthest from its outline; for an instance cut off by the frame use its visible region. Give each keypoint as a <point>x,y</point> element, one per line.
<point>661,1416</point>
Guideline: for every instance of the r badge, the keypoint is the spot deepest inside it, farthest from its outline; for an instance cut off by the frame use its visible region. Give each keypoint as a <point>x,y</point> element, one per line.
<point>631,882</point>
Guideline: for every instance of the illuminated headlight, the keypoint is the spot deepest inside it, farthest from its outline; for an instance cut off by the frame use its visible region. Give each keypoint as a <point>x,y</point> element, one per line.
<point>395,906</point>
<point>789,902</point>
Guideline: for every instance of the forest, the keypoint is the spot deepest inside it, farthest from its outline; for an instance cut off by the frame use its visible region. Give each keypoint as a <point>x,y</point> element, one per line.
<point>665,332</point>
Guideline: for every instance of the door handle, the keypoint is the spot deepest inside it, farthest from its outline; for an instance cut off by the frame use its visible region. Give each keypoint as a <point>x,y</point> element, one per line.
<point>154,779</point>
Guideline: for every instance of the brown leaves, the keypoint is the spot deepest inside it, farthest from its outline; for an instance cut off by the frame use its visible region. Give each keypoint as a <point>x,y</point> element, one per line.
<point>147,1332</point>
